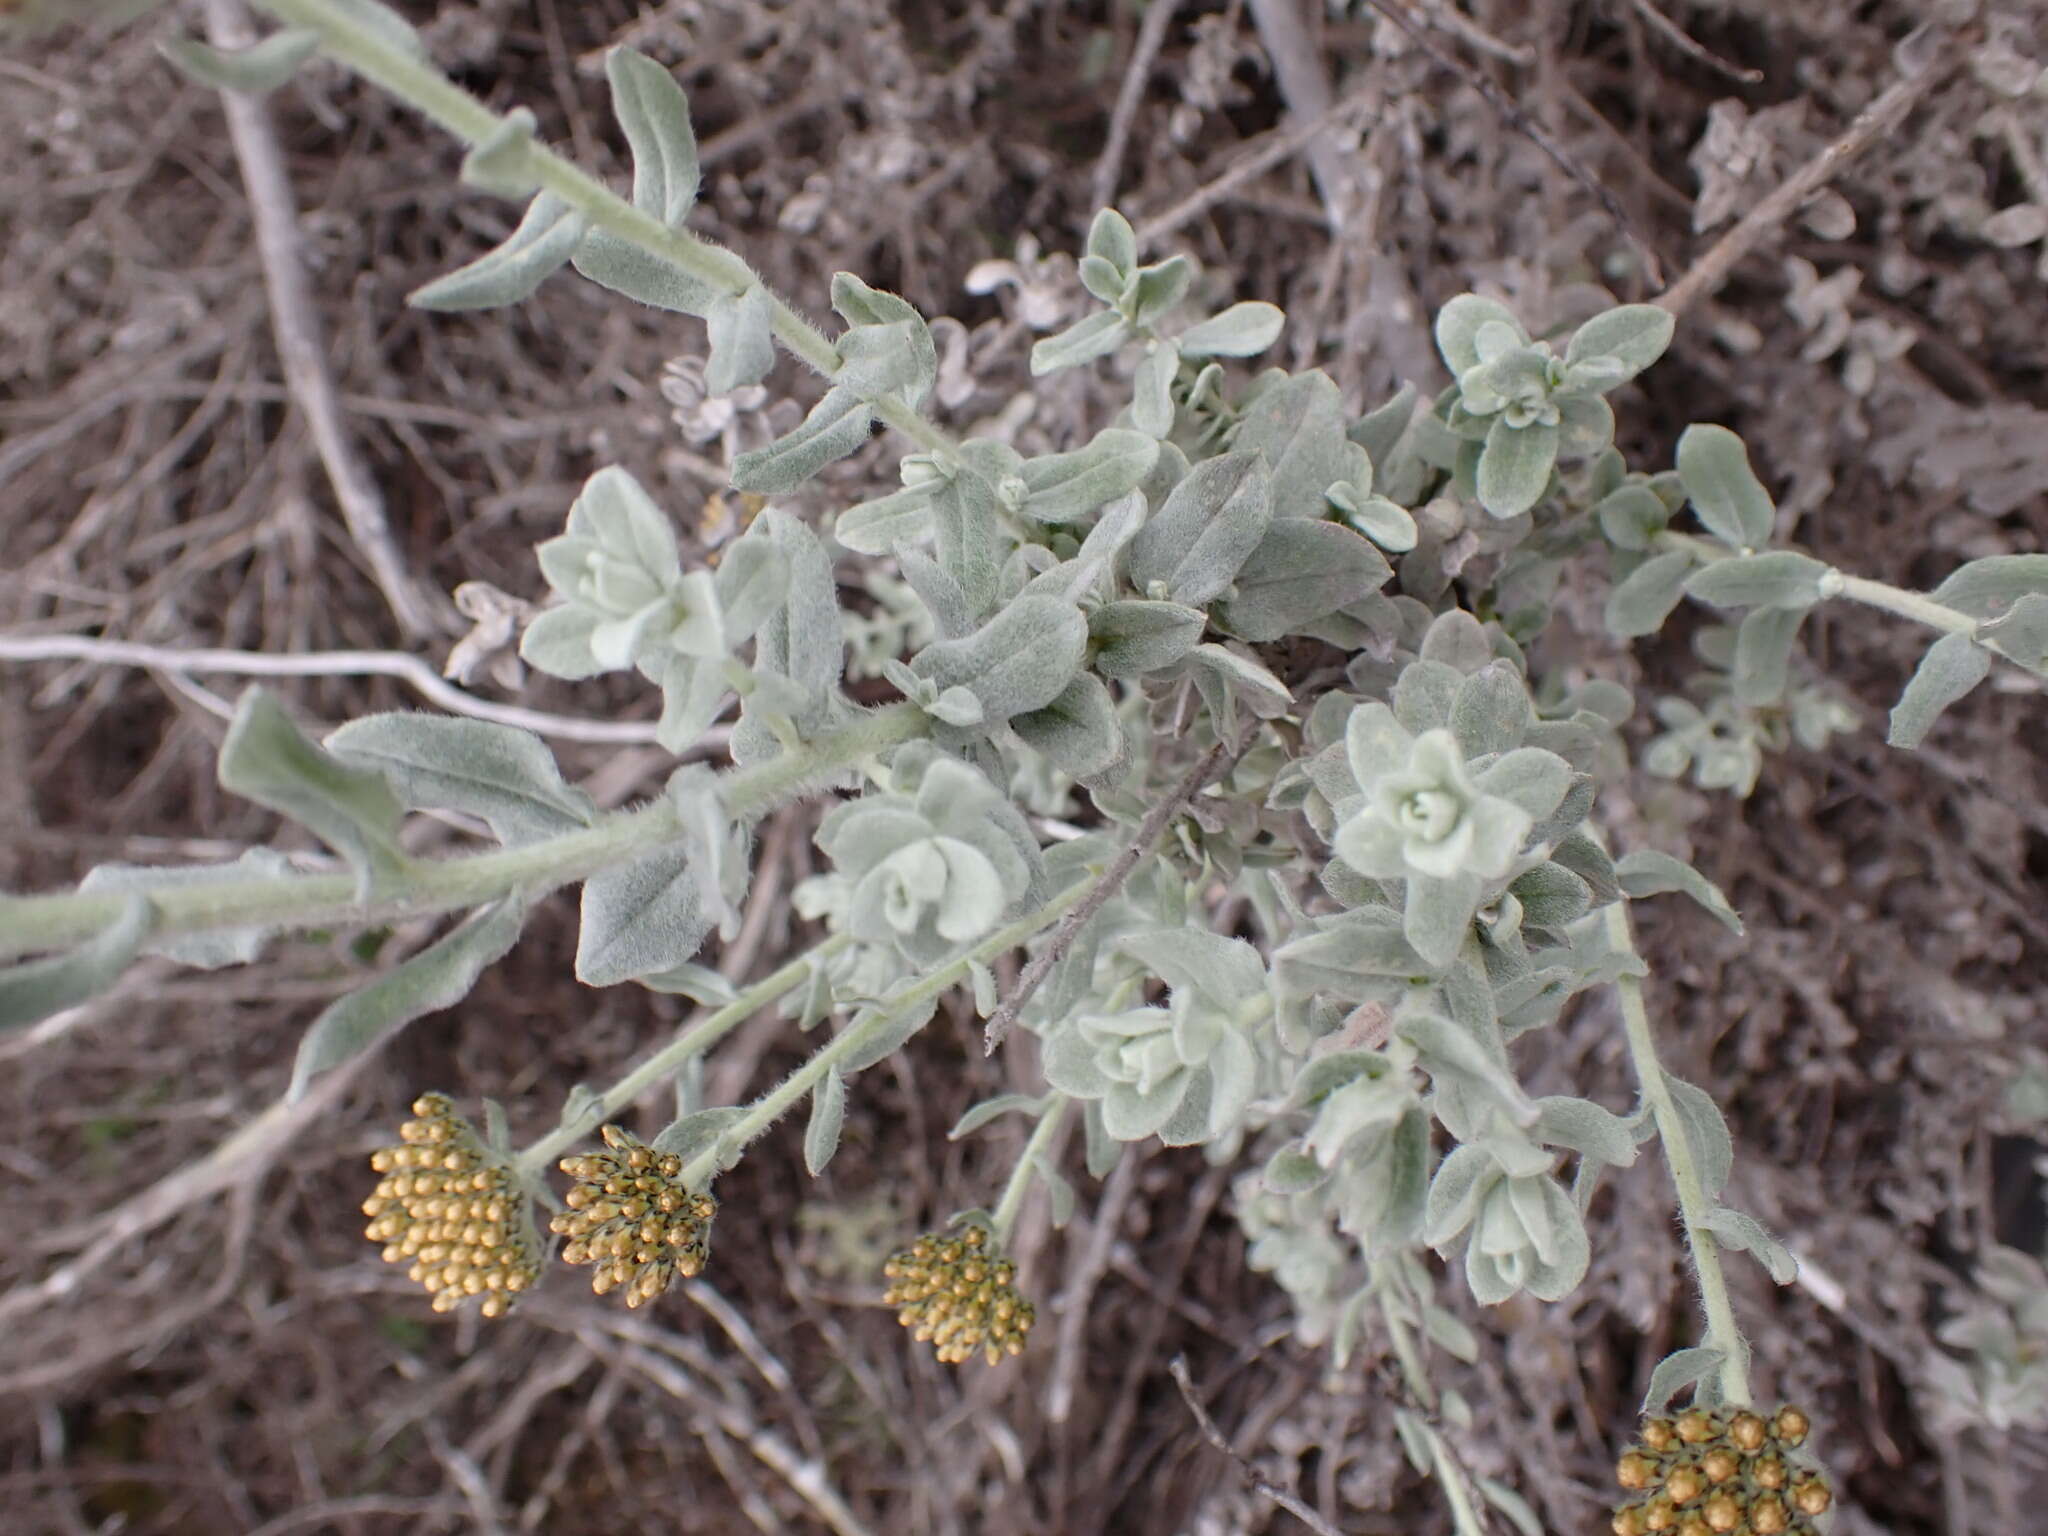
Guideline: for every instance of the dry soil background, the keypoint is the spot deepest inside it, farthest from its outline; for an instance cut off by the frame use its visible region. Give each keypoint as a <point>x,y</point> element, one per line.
<point>218,1350</point>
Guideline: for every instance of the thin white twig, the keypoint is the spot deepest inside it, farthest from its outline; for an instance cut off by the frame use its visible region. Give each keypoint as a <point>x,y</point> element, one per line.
<point>399,664</point>
<point>1298,70</point>
<point>1177,1367</point>
<point>300,343</point>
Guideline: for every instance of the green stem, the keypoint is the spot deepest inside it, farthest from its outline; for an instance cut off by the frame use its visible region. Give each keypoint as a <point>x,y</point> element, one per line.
<point>29,923</point>
<point>415,81</point>
<point>692,1042</point>
<point>850,1041</point>
<point>1693,1200</point>
<point>1012,1203</point>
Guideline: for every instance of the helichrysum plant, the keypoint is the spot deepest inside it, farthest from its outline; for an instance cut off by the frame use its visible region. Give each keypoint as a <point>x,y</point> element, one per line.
<point>1247,644</point>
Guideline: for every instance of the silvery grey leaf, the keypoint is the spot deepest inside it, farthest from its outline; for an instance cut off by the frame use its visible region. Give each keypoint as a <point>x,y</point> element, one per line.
<point>1551,896</point>
<point>1079,731</point>
<point>557,641</point>
<point>878,527</point>
<point>638,919</point>
<point>967,533</point>
<point>1631,516</point>
<point>545,239</point>
<point>1763,654</point>
<point>1019,661</point>
<point>1594,1133</point>
<point>1780,578</point>
<point>1297,425</point>
<point>1678,1370</point>
<point>262,66</point>
<point>1589,861</point>
<point>1635,335</point>
<point>837,425</point>
<point>752,582</point>
<point>36,989</point>
<point>502,162</point>
<point>1458,323</point>
<point>898,329</point>
<point>1195,545</point>
<point>828,1115</point>
<point>1986,588</point>
<point>1952,666</point>
<point>655,115</point>
<point>1243,330</point>
<point>1300,571</point>
<point>1082,342</point>
<point>1134,637</point>
<point>1725,493</point>
<point>1646,596</point>
<point>2021,633</point>
<point>1381,429</point>
<point>1111,238</point>
<point>938,591</point>
<point>639,274</point>
<point>1116,527</point>
<point>803,642</point>
<point>1065,487</point>
<point>1650,872</point>
<point>1152,391</point>
<point>1736,1229</point>
<point>1490,712</point>
<point>1159,289</point>
<point>694,1134</point>
<point>741,332</point>
<point>207,951</point>
<point>267,759</point>
<point>693,689</point>
<point>890,1037</point>
<point>699,983</point>
<point>439,762</point>
<point>438,977</point>
<point>1515,466</point>
<point>1706,1132</point>
<point>988,1109</point>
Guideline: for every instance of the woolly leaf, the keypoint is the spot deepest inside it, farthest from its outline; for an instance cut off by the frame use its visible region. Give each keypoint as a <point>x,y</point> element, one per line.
<point>1952,666</point>
<point>439,762</point>
<point>655,115</point>
<point>262,66</point>
<point>828,1115</point>
<point>1713,465</point>
<point>1648,872</point>
<point>38,988</point>
<point>208,950</point>
<point>640,918</point>
<point>542,243</point>
<point>1678,1370</point>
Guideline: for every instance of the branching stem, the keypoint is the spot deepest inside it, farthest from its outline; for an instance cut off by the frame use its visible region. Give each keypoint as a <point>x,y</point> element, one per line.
<point>850,1041</point>
<point>415,81</point>
<point>1917,606</point>
<point>29,923</point>
<point>1693,1200</point>
<point>692,1042</point>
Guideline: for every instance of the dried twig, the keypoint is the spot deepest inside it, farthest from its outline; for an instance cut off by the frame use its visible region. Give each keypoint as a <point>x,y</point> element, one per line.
<point>1151,36</point>
<point>1877,119</point>
<point>1522,123</point>
<point>1298,71</point>
<point>1178,1367</point>
<point>1690,46</point>
<point>1219,759</point>
<point>399,664</point>
<point>300,342</point>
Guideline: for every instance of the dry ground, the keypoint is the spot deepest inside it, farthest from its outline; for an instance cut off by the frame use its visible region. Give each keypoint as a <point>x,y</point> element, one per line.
<point>230,1356</point>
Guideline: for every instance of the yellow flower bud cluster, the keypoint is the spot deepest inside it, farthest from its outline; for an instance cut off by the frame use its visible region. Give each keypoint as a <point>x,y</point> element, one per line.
<point>959,1294</point>
<point>630,1215</point>
<point>1721,1474</point>
<point>452,1210</point>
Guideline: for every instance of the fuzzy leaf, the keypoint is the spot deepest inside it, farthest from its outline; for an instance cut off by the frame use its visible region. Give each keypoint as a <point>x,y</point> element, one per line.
<point>641,275</point>
<point>1986,588</point>
<point>439,762</point>
<point>503,161</point>
<point>1300,571</point>
<point>1135,637</point>
<point>1458,323</point>
<point>1078,732</point>
<point>638,919</point>
<point>988,1109</point>
<point>1706,1132</point>
<point>1020,660</point>
<point>1587,1129</point>
<point>837,425</point>
<point>1953,666</point>
<point>1065,487</point>
<point>438,977</point>
<point>1645,598</point>
<point>877,527</point>
<point>545,239</point>
<point>1515,465</point>
<point>655,115</point>
<point>1678,1370</point>
<point>1782,578</point>
<point>741,332</point>
<point>1243,330</point>
<point>262,66</point>
<point>38,988</point>
<point>267,759</point>
<point>1082,342</point>
<point>1763,654</point>
<point>828,1116</point>
<point>1648,872</point>
<point>1713,465</point>
<point>1195,545</point>
<point>1635,335</point>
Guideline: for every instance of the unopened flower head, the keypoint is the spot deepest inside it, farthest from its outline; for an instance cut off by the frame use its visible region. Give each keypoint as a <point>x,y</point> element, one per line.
<point>630,1215</point>
<point>958,1293</point>
<point>1709,1473</point>
<point>453,1210</point>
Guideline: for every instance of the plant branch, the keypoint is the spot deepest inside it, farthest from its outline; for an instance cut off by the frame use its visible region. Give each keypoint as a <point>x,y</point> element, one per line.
<point>1694,1202</point>
<point>772,1105</point>
<point>1211,765</point>
<point>1019,1182</point>
<point>1874,121</point>
<point>415,81</point>
<point>300,344</point>
<point>1917,606</point>
<point>694,1041</point>
<point>30,923</point>
<point>1177,1367</point>
<point>402,665</point>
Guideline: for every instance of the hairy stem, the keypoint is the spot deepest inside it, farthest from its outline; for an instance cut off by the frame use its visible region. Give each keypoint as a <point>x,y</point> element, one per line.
<point>29,923</point>
<point>1693,1200</point>
<point>692,1042</point>
<point>1012,1203</point>
<point>850,1041</point>
<point>1917,606</point>
<point>420,85</point>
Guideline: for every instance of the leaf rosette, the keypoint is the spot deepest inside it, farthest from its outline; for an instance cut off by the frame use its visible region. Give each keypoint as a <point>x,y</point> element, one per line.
<point>1521,1230</point>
